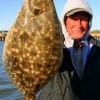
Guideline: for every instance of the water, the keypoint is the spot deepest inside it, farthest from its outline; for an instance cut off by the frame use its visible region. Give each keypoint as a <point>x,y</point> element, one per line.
<point>7,90</point>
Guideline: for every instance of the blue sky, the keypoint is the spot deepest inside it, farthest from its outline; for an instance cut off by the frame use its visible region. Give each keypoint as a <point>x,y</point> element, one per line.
<point>10,8</point>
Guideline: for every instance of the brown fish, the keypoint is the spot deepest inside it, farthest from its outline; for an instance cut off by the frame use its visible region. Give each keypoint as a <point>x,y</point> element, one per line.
<point>32,51</point>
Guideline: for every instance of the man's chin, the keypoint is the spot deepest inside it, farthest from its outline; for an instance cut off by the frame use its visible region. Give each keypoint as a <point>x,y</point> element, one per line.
<point>77,37</point>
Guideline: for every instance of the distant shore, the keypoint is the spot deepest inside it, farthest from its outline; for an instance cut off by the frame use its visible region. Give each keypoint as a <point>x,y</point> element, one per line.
<point>94,33</point>
<point>3,34</point>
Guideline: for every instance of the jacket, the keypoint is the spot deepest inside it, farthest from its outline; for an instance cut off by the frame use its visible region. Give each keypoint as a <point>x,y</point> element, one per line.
<point>59,87</point>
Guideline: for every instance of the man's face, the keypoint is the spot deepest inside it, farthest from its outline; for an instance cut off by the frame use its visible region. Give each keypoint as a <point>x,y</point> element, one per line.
<point>77,25</point>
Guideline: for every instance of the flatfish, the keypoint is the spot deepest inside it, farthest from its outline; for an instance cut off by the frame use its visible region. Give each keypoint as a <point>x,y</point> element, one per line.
<point>32,52</point>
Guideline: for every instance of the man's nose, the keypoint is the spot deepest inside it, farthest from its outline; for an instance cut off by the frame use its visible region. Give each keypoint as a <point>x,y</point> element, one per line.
<point>79,21</point>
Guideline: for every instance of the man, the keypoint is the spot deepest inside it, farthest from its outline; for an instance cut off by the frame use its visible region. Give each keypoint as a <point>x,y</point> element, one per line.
<point>79,75</point>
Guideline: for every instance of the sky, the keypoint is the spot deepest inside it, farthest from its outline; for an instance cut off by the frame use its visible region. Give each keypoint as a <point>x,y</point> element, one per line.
<point>9,10</point>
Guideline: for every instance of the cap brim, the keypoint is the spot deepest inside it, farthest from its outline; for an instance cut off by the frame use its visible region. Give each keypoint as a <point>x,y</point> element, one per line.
<point>75,11</point>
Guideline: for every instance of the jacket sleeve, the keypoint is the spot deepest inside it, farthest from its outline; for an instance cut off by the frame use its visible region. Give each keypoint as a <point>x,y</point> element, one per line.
<point>57,89</point>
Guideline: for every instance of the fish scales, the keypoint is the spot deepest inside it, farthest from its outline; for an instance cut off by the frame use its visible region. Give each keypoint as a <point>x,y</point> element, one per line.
<point>32,51</point>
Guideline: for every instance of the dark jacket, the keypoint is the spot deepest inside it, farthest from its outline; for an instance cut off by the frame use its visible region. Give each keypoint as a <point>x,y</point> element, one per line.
<point>66,85</point>
<point>89,86</point>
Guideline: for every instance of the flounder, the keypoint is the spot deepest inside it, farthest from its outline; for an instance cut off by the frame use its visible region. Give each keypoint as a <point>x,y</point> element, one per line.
<point>33,47</point>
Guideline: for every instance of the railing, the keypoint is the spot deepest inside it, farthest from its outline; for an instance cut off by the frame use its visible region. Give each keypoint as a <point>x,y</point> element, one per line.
<point>2,38</point>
